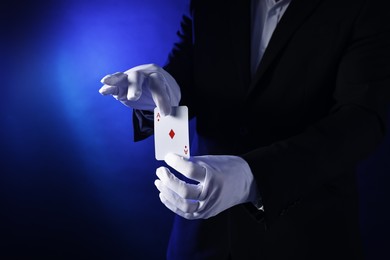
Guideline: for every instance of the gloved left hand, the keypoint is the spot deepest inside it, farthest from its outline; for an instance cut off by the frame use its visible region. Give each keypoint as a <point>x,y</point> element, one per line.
<point>223,181</point>
<point>143,87</point>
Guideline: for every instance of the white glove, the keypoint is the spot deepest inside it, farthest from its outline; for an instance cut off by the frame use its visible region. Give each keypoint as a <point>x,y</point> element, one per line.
<point>224,181</point>
<point>143,87</point>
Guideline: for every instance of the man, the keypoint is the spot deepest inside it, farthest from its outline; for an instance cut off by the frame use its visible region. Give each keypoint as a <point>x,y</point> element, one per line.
<point>288,97</point>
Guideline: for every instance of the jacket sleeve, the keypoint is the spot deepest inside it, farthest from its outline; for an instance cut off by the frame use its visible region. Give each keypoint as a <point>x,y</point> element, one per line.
<point>289,170</point>
<point>179,65</point>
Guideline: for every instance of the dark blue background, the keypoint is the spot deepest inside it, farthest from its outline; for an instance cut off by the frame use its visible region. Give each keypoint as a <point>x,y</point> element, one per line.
<point>73,183</point>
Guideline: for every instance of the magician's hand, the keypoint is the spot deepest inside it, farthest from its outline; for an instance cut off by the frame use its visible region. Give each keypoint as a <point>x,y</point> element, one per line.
<point>223,182</point>
<point>143,87</point>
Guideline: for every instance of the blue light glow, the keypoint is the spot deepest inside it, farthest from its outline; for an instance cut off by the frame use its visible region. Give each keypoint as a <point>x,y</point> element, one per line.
<point>73,184</point>
<point>68,157</point>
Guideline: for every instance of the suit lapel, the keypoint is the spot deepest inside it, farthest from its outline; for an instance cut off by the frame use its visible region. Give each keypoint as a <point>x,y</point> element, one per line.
<point>239,27</point>
<point>294,16</point>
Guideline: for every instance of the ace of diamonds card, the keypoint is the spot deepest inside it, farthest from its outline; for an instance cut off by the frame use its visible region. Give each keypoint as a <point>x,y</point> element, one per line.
<point>171,133</point>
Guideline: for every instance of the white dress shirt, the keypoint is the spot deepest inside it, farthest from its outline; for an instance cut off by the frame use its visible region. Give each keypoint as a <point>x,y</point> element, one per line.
<point>265,16</point>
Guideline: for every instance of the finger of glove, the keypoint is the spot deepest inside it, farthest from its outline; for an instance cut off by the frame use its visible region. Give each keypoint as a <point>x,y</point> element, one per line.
<point>183,189</point>
<point>176,210</point>
<point>109,90</point>
<point>136,80</point>
<point>184,205</point>
<point>117,85</point>
<point>158,89</point>
<point>208,208</point>
<point>189,169</point>
<point>113,79</point>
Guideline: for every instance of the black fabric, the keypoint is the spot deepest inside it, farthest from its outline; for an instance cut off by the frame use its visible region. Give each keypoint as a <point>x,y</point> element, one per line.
<point>314,109</point>
<point>143,124</point>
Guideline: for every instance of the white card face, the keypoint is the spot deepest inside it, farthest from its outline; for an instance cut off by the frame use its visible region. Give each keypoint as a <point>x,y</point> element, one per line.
<point>171,133</point>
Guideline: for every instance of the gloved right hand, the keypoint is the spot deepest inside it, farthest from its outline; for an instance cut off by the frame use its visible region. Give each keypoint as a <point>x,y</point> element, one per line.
<point>223,182</point>
<point>143,87</point>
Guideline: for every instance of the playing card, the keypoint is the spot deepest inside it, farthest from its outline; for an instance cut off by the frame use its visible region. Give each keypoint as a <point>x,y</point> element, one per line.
<point>171,133</point>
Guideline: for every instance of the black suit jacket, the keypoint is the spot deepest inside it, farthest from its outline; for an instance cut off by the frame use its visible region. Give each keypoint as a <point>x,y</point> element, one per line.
<point>314,109</point>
